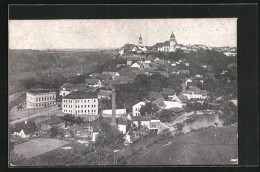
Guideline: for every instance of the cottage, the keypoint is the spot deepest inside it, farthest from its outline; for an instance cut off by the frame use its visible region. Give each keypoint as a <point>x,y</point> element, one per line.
<point>195,93</point>
<point>93,82</point>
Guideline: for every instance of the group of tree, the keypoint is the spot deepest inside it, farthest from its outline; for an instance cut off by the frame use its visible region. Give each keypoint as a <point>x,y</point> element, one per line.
<point>71,119</point>
<point>149,109</point>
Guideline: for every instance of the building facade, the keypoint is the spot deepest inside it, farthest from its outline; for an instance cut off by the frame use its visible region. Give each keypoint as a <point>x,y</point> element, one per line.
<point>81,103</point>
<point>136,108</point>
<point>40,99</point>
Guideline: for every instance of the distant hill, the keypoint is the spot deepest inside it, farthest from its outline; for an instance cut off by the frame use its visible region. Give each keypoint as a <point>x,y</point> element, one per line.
<point>26,66</point>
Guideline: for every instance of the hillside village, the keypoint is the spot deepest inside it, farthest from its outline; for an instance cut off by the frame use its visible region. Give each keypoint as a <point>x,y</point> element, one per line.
<point>142,96</point>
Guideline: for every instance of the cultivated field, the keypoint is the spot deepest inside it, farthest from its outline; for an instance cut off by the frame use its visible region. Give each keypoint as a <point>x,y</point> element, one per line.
<point>212,146</point>
<point>38,146</point>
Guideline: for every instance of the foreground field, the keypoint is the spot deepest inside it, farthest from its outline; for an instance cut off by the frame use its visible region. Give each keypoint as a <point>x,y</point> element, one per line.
<point>38,146</point>
<point>212,146</point>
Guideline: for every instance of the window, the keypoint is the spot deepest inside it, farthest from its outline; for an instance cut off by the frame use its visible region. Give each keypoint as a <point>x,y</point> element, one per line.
<point>81,111</point>
<point>88,105</point>
<point>85,106</point>
<point>81,106</point>
<point>85,111</point>
<point>94,100</point>
<point>85,101</point>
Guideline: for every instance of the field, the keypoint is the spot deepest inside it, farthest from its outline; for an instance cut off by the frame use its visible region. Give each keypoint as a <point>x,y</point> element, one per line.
<point>212,146</point>
<point>38,146</point>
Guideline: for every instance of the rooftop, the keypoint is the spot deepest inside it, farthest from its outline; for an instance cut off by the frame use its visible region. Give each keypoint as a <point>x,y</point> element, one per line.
<point>81,95</point>
<point>41,91</point>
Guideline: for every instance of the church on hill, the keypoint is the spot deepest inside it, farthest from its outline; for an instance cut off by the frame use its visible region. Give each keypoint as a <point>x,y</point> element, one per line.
<point>168,46</point>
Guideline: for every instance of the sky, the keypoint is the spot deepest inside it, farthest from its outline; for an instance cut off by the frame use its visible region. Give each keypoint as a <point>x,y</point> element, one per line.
<point>114,33</point>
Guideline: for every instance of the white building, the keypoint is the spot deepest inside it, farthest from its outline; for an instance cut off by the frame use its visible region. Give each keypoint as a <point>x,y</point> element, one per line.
<point>119,112</point>
<point>195,93</point>
<point>136,108</point>
<point>40,99</point>
<point>82,103</point>
<point>173,104</point>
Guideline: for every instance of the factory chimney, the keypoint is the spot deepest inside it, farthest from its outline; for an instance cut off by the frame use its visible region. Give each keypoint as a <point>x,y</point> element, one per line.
<point>113,107</point>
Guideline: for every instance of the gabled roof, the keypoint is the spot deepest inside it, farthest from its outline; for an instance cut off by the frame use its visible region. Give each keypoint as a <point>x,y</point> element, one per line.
<point>81,95</point>
<point>166,43</point>
<point>160,44</point>
<point>159,102</point>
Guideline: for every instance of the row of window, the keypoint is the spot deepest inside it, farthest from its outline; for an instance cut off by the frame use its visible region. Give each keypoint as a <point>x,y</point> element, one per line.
<point>45,104</point>
<point>78,101</point>
<point>81,111</point>
<point>78,106</point>
<point>44,99</point>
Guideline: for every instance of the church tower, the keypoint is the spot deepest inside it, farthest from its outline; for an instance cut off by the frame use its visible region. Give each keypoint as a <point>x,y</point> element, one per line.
<point>173,42</point>
<point>140,43</point>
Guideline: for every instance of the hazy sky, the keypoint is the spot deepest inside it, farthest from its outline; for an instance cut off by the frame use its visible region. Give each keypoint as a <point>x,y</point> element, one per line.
<point>114,33</point>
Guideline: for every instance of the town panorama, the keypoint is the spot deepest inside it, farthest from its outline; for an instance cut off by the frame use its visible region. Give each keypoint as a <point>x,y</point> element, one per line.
<point>163,104</point>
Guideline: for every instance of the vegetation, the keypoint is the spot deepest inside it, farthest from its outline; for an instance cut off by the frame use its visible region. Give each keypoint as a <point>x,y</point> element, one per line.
<point>71,119</point>
<point>149,109</point>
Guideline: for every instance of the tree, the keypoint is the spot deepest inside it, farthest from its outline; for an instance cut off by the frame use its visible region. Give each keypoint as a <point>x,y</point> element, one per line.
<point>149,108</point>
<point>230,113</point>
<point>54,132</point>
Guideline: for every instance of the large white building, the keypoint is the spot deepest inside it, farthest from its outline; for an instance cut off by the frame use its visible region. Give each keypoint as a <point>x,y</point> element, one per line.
<point>136,108</point>
<point>40,99</point>
<point>81,103</point>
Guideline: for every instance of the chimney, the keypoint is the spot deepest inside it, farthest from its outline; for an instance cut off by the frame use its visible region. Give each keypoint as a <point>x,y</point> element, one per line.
<point>113,107</point>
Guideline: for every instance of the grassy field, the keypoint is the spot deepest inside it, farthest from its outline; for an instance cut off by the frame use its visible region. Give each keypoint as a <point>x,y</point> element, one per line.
<point>38,146</point>
<point>211,146</point>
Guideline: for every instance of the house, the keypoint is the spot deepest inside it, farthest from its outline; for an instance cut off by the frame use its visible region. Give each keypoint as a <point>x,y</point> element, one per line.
<point>195,93</point>
<point>94,128</point>
<point>119,112</point>
<point>93,82</point>
<point>150,122</point>
<point>158,61</point>
<point>112,74</point>
<point>121,125</point>
<point>180,98</point>
<point>173,104</point>
<point>47,124</point>
<point>136,108</point>
<point>66,88</point>
<point>188,82</point>
<point>138,65</point>
<point>154,125</point>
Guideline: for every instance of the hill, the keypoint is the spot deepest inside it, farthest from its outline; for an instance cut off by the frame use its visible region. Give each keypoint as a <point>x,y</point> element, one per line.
<point>207,147</point>
<point>26,67</point>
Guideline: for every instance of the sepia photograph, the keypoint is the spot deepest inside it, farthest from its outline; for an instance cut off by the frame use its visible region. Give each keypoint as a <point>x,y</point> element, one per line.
<point>122,92</point>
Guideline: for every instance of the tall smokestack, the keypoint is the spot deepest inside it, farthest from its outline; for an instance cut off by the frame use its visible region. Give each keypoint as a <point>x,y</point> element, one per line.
<point>113,107</point>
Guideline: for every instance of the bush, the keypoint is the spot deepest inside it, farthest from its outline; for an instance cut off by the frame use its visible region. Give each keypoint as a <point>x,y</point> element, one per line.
<point>179,126</point>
